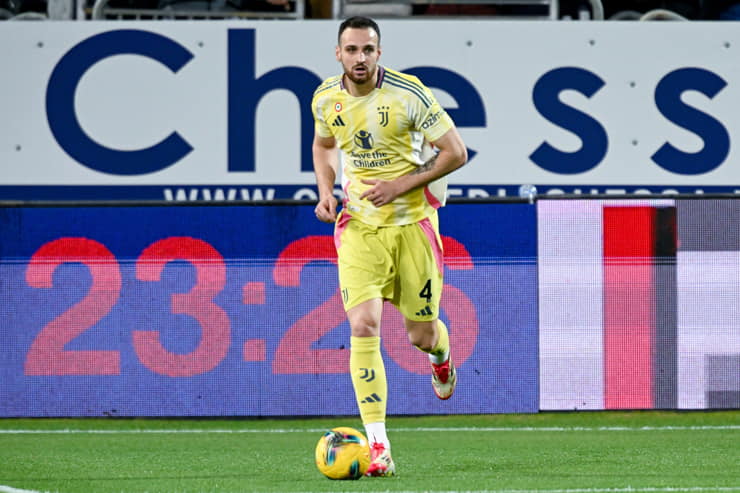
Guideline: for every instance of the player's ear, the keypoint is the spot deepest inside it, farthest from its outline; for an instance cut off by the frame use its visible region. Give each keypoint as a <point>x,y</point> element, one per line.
<point>337,53</point>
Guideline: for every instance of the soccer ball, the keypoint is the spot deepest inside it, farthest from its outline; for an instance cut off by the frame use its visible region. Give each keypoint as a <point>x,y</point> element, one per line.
<point>343,453</point>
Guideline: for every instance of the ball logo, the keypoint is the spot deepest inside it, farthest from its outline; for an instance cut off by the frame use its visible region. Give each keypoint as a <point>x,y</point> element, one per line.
<point>364,139</point>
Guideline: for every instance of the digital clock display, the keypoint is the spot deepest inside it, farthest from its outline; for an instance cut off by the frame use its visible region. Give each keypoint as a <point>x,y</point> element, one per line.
<point>218,310</point>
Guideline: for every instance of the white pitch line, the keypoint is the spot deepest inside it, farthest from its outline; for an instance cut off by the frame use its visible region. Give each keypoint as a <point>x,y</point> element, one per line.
<point>578,428</point>
<point>9,489</point>
<point>12,431</point>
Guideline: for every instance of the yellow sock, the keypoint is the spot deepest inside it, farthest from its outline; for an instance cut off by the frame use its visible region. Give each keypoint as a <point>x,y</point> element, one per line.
<point>441,351</point>
<point>368,378</point>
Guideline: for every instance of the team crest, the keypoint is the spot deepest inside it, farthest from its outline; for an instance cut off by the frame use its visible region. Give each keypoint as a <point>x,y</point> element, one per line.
<point>364,139</point>
<point>383,115</point>
<point>338,107</point>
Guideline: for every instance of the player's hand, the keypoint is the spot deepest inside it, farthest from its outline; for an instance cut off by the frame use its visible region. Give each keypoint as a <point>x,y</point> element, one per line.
<point>382,192</point>
<point>326,209</point>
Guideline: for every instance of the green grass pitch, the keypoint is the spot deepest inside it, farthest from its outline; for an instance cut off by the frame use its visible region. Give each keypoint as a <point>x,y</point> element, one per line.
<point>586,452</point>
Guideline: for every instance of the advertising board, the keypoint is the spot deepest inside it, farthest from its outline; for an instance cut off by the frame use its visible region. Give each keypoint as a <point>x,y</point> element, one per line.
<point>214,310</point>
<point>638,304</point>
<point>182,111</point>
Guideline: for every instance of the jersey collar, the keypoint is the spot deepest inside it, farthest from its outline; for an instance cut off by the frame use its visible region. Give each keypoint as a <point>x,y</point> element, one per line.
<point>378,84</point>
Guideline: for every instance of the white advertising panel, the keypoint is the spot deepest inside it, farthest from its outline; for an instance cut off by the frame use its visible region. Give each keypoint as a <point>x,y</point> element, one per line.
<point>220,110</point>
<point>638,303</point>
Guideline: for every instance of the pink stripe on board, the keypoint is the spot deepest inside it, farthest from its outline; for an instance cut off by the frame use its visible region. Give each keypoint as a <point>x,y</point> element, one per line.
<point>428,229</point>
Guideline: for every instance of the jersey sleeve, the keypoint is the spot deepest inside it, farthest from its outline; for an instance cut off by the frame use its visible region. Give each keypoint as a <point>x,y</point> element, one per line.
<point>320,126</point>
<point>431,119</point>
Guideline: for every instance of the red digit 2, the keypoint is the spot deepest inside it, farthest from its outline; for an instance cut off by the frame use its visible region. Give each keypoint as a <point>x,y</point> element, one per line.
<point>47,355</point>
<point>294,353</point>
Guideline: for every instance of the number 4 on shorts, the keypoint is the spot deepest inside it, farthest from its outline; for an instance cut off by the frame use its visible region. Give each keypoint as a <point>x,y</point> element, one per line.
<point>426,291</point>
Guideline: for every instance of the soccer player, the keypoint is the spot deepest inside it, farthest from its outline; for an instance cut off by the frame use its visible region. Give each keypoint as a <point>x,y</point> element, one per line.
<point>387,237</point>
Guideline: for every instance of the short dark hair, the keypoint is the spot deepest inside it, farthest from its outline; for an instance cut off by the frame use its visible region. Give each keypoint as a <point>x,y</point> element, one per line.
<point>358,22</point>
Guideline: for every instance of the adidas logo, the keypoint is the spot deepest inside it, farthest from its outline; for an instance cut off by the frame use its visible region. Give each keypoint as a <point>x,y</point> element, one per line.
<point>338,122</point>
<point>424,312</point>
<point>371,399</point>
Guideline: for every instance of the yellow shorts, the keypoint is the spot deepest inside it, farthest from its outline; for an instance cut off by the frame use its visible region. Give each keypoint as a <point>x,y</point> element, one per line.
<point>402,264</point>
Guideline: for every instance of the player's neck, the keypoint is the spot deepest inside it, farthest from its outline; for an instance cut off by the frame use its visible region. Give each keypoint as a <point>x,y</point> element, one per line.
<point>359,90</point>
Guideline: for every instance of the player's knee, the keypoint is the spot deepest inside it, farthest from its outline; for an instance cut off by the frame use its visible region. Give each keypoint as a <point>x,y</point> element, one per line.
<point>364,319</point>
<point>365,327</point>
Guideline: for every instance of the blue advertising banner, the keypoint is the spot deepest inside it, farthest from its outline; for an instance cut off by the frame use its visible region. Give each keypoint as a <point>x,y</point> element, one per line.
<point>215,310</point>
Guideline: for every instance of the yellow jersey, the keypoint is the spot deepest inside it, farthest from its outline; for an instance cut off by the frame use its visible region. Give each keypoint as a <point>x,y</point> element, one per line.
<point>383,135</point>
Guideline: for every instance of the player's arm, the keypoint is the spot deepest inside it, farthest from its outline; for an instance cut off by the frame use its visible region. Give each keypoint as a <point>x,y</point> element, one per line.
<point>325,165</point>
<point>452,155</point>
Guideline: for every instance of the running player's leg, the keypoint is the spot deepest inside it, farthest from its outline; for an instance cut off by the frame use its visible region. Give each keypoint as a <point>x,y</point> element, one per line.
<point>421,279</point>
<point>369,381</point>
<point>366,363</point>
<point>364,274</point>
<point>433,338</point>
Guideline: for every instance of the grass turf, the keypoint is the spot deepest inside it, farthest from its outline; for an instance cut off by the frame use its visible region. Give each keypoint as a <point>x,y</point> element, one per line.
<point>586,452</point>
